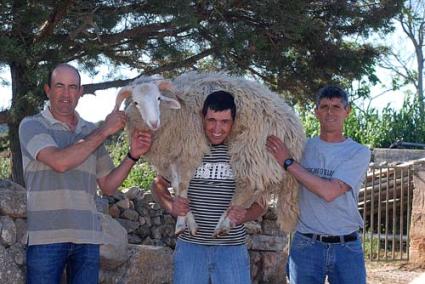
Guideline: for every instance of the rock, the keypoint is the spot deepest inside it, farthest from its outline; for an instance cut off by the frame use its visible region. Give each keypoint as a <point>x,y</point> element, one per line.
<point>21,231</point>
<point>114,251</point>
<point>143,262</point>
<point>130,226</point>
<point>130,214</point>
<point>17,253</point>
<point>133,193</point>
<point>114,211</point>
<point>13,201</point>
<point>253,228</point>
<point>123,204</point>
<point>9,271</point>
<point>266,243</point>
<point>270,227</point>
<point>7,231</point>
<point>273,267</point>
<point>134,239</point>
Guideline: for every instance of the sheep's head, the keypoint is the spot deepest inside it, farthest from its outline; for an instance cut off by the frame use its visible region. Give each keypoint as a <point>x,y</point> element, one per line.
<point>146,97</point>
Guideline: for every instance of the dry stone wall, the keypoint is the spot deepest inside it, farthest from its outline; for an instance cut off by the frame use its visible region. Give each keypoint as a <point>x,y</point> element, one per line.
<point>140,240</point>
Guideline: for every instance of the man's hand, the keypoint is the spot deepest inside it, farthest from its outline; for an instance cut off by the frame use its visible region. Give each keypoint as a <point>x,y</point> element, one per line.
<point>114,122</point>
<point>277,148</point>
<point>179,206</point>
<point>237,214</point>
<point>140,144</point>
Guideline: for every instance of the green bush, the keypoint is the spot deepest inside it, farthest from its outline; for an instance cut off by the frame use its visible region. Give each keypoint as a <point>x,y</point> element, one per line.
<point>374,128</point>
<point>5,170</point>
<point>141,175</point>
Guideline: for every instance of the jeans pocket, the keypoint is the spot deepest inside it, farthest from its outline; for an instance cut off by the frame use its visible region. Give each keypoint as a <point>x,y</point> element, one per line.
<point>354,247</point>
<point>301,242</point>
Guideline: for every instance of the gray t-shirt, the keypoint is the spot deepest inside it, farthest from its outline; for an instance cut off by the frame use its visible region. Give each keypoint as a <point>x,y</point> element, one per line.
<point>346,161</point>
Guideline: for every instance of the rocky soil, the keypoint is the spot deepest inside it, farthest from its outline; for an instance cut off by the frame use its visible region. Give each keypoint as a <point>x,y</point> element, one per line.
<point>394,273</point>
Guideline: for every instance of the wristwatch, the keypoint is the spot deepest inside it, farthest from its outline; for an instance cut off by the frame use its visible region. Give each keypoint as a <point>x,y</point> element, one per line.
<point>287,163</point>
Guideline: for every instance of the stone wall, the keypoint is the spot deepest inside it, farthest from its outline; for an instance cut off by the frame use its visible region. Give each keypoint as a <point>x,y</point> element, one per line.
<point>417,225</point>
<point>140,240</point>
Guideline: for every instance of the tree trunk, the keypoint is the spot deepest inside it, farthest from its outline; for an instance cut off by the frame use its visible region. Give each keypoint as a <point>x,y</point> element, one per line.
<point>26,100</point>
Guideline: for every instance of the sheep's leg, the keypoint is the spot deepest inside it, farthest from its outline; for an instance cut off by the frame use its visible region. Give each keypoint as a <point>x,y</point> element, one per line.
<point>181,190</point>
<point>175,183</point>
<point>188,220</point>
<point>240,198</point>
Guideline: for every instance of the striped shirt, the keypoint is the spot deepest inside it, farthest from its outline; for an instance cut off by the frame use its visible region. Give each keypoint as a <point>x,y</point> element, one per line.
<point>61,206</point>
<point>210,192</point>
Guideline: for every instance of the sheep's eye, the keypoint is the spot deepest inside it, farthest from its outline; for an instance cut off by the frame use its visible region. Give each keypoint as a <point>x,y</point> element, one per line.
<point>136,103</point>
<point>159,98</point>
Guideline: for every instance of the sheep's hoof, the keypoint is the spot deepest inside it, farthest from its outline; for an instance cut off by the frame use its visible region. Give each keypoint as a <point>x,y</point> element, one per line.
<point>191,223</point>
<point>223,226</point>
<point>180,225</point>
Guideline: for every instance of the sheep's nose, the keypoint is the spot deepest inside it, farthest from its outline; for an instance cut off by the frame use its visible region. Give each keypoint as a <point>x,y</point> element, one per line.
<point>154,125</point>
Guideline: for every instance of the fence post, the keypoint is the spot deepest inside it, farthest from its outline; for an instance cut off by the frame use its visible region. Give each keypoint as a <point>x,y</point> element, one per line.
<point>417,224</point>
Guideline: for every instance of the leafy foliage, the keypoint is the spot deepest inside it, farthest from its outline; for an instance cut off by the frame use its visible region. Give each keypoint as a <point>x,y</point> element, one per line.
<point>142,173</point>
<point>377,129</point>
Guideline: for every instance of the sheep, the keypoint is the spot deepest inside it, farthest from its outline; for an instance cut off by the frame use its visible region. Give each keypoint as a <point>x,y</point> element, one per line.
<point>144,106</point>
<point>181,141</point>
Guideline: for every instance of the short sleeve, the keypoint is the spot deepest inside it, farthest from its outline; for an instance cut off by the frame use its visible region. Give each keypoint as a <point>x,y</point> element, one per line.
<point>352,170</point>
<point>34,136</point>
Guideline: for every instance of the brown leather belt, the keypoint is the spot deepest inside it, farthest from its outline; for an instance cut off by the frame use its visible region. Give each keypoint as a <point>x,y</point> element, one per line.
<point>332,239</point>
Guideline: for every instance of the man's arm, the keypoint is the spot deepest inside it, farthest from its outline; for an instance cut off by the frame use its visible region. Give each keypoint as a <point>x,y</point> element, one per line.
<point>62,160</point>
<point>326,189</point>
<point>176,206</point>
<point>239,215</point>
<point>140,144</point>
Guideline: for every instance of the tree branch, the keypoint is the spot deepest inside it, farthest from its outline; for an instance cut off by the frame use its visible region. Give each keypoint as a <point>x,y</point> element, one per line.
<point>92,88</point>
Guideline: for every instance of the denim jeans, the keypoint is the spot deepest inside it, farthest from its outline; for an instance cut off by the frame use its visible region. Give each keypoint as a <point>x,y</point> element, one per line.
<point>216,264</point>
<point>46,263</point>
<point>311,261</point>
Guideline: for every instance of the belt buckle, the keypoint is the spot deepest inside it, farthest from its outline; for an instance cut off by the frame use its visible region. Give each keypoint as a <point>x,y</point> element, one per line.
<point>321,237</point>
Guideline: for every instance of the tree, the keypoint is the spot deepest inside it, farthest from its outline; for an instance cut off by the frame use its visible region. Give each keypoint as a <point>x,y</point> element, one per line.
<point>295,46</point>
<point>412,22</point>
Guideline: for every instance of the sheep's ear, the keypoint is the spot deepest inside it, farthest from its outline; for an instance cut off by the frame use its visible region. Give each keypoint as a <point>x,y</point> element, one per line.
<point>170,103</point>
<point>122,95</point>
<point>165,85</point>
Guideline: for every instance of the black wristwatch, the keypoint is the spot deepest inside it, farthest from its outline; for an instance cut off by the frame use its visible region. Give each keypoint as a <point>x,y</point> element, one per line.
<point>287,163</point>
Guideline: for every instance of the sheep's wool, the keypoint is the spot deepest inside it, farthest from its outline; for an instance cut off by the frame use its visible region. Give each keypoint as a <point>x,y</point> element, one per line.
<point>260,113</point>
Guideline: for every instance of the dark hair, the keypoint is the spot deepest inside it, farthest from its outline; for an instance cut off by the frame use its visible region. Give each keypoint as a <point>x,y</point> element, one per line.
<point>220,101</point>
<point>330,92</point>
<point>49,79</point>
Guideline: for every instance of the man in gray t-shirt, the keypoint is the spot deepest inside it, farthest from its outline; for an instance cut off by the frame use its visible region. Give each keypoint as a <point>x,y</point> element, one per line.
<point>326,242</point>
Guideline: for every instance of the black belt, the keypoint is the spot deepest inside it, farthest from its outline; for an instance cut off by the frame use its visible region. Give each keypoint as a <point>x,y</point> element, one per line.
<point>332,239</point>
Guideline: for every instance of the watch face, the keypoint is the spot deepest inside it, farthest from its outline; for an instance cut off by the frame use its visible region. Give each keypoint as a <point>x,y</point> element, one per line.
<point>287,163</point>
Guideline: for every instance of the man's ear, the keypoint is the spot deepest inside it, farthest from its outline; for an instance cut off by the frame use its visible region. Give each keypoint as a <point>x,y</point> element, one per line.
<point>348,109</point>
<point>46,89</point>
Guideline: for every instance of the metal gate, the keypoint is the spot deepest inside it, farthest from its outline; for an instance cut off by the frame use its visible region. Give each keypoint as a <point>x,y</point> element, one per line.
<point>385,202</point>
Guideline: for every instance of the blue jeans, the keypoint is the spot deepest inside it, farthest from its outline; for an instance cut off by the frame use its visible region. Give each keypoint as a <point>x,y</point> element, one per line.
<point>310,261</point>
<point>203,264</point>
<point>46,263</point>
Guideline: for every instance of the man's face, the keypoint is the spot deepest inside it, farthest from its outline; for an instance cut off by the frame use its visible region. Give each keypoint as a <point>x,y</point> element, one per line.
<point>331,114</point>
<point>218,125</point>
<point>64,92</point>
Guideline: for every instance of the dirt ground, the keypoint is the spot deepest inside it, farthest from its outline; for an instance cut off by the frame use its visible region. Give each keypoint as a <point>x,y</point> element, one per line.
<point>393,273</point>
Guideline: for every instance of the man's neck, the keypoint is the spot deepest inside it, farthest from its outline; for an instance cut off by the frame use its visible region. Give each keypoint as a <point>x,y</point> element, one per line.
<point>70,120</point>
<point>334,137</point>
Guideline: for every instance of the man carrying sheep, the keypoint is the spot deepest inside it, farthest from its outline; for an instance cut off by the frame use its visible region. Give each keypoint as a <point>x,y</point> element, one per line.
<point>326,242</point>
<point>64,160</point>
<point>202,258</point>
